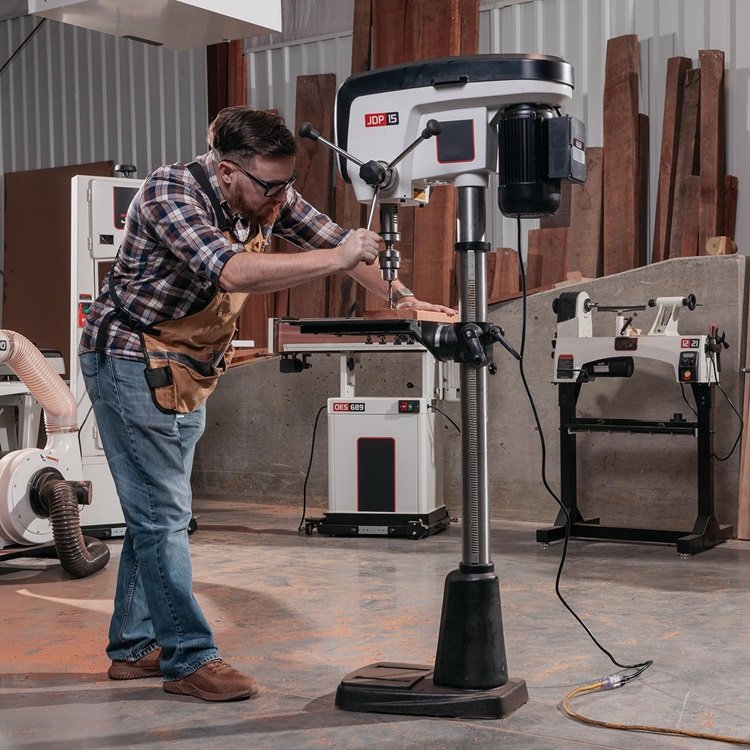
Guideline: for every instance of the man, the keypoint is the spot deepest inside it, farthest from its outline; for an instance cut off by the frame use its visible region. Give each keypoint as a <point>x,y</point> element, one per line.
<point>191,252</point>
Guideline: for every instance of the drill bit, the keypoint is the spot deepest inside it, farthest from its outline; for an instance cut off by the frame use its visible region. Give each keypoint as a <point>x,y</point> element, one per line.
<point>391,306</point>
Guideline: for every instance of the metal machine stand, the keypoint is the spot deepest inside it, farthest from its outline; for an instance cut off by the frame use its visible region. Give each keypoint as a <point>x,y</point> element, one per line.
<point>470,677</point>
<point>706,531</point>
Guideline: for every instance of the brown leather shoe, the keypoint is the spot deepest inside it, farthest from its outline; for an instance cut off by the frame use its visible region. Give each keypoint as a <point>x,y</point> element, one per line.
<point>146,666</point>
<point>215,681</point>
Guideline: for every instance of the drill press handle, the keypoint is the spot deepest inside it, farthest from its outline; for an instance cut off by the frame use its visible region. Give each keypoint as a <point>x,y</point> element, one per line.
<point>379,175</point>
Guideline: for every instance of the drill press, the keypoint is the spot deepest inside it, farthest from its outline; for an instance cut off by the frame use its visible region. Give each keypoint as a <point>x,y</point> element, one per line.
<point>483,114</point>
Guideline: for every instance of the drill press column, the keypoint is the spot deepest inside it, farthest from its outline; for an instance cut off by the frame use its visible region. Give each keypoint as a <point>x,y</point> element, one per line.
<point>471,647</point>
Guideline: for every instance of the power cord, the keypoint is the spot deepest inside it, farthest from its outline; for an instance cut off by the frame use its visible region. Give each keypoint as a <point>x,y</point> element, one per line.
<point>22,45</point>
<point>301,526</point>
<point>440,411</point>
<point>618,680</point>
<point>734,409</point>
<point>638,667</point>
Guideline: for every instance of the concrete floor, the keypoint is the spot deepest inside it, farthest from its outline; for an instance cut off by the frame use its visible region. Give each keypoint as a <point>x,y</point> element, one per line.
<point>299,612</point>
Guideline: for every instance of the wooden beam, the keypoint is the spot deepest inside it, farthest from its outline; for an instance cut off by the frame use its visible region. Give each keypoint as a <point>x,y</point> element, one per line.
<point>674,90</point>
<point>502,266</point>
<point>585,238</point>
<point>362,36</point>
<point>644,146</point>
<point>690,225</point>
<point>551,246</point>
<point>315,99</point>
<point>226,76</point>
<point>344,293</point>
<point>686,153</point>
<point>731,187</point>
<point>621,148</point>
<point>712,146</point>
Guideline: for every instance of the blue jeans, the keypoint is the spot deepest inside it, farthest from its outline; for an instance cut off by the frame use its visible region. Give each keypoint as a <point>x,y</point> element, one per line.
<point>150,455</point>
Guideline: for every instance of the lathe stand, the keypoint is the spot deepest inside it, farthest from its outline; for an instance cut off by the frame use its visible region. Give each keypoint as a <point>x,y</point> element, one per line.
<point>706,530</point>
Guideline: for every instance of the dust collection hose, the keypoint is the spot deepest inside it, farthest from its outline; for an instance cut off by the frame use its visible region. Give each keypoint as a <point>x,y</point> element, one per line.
<point>49,493</point>
<point>47,387</point>
<point>53,496</point>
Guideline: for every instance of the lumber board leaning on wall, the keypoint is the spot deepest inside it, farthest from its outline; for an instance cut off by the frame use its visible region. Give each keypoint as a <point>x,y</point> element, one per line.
<point>670,139</point>
<point>551,247</point>
<point>344,293</point>
<point>686,153</point>
<point>712,146</point>
<point>581,211</point>
<point>315,99</point>
<point>420,30</point>
<point>621,149</point>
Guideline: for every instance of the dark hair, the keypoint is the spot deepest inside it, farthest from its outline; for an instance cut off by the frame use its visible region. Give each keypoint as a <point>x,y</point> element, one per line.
<point>243,132</point>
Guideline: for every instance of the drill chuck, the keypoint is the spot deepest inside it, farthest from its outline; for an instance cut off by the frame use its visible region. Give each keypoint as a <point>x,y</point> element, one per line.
<point>389,261</point>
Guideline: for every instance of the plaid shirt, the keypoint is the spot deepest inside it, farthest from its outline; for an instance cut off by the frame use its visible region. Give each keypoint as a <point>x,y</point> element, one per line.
<point>172,253</point>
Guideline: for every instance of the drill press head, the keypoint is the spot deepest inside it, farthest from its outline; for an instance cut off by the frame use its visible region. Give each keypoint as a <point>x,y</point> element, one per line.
<point>379,113</point>
<point>489,113</point>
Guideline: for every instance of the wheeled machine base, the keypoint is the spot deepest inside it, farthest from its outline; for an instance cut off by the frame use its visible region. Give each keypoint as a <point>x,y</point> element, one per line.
<point>393,688</point>
<point>411,526</point>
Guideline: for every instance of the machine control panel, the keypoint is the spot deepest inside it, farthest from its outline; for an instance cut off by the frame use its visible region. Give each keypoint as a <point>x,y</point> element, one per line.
<point>408,406</point>
<point>688,369</point>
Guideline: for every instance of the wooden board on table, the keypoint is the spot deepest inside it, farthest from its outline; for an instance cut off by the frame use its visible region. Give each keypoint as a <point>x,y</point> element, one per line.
<point>437,317</point>
<point>712,146</point>
<point>670,138</point>
<point>621,155</point>
<point>720,246</point>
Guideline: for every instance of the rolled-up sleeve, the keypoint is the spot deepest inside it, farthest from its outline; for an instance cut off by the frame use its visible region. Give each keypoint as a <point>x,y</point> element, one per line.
<point>303,225</point>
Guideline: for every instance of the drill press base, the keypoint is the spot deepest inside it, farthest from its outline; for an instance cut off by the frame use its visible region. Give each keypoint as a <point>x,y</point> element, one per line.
<point>391,688</point>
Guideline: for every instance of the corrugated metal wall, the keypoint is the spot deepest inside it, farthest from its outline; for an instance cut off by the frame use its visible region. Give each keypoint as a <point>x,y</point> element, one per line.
<point>74,96</point>
<point>576,30</point>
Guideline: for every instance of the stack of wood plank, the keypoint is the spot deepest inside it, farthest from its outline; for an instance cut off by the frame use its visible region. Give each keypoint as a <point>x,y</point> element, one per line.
<point>696,201</point>
<point>601,227</point>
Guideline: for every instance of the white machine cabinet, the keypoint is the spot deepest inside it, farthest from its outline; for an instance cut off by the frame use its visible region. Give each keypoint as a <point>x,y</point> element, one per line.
<point>383,458</point>
<point>98,209</point>
<point>384,453</point>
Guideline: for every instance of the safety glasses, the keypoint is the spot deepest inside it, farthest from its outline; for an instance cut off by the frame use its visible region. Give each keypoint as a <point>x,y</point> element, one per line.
<point>270,189</point>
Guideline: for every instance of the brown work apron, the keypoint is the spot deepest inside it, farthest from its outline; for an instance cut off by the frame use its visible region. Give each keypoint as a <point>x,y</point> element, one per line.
<point>186,356</point>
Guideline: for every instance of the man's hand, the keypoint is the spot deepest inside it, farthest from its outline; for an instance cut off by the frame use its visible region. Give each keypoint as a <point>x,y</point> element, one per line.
<point>412,303</point>
<point>362,246</point>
